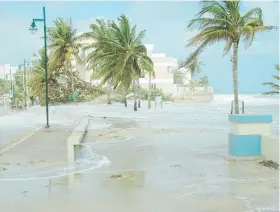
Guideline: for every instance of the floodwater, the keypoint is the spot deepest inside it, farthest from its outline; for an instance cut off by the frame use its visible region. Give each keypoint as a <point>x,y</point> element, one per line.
<point>179,171</point>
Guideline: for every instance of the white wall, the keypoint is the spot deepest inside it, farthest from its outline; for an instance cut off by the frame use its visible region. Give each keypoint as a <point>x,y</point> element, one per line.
<point>270,148</point>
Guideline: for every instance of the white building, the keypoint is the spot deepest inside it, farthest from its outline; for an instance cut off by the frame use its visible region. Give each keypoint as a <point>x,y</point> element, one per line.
<point>7,71</point>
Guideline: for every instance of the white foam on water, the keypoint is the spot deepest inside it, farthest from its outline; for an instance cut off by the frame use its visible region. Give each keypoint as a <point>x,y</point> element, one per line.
<point>248,99</point>
<point>93,161</point>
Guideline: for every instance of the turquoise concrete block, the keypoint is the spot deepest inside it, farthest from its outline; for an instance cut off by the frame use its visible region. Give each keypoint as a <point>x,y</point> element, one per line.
<point>250,118</point>
<point>244,145</point>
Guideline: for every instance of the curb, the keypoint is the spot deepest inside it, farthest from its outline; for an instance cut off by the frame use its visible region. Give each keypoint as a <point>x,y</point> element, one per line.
<point>76,137</point>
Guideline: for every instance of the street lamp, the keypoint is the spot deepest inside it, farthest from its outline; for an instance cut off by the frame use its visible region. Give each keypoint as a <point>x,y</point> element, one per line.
<point>33,29</point>
<point>24,82</point>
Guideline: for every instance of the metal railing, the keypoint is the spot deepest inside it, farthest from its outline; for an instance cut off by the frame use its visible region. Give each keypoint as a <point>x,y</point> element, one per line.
<point>242,107</point>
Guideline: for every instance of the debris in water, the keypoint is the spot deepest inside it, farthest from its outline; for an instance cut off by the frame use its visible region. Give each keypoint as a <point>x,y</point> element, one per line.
<point>116,176</point>
<point>270,164</point>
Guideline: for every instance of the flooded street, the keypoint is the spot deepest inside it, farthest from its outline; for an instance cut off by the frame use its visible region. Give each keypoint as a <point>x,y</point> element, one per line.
<point>146,162</point>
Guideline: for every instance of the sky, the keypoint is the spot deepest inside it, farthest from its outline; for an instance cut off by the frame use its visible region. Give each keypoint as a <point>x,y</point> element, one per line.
<point>165,24</point>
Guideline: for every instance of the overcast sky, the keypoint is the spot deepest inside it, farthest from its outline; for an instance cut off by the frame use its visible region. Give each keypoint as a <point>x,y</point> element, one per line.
<point>165,23</point>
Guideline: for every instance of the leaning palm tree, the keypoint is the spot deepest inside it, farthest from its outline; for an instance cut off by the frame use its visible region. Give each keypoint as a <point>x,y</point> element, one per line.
<point>274,86</point>
<point>192,85</point>
<point>222,21</point>
<point>179,78</point>
<point>100,32</point>
<point>193,67</point>
<point>64,46</point>
<point>205,83</point>
<point>119,55</point>
<point>133,58</point>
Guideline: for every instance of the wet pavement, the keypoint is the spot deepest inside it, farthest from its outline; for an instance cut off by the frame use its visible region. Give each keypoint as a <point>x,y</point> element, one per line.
<point>166,172</point>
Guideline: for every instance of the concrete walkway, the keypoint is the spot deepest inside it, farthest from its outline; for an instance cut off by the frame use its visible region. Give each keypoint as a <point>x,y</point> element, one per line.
<point>47,146</point>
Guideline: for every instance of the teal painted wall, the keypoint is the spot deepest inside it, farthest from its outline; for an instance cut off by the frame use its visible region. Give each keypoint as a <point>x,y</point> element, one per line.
<point>244,145</point>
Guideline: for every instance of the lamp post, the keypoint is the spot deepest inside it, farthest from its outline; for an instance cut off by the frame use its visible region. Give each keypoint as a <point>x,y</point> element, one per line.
<point>24,82</point>
<point>33,29</point>
<point>11,81</point>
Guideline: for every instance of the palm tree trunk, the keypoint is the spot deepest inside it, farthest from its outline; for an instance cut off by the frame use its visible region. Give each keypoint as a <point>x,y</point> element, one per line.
<point>235,77</point>
<point>125,102</point>
<point>134,94</point>
<point>124,97</point>
<point>149,91</point>
<point>109,102</point>
<point>72,83</point>
<point>138,90</point>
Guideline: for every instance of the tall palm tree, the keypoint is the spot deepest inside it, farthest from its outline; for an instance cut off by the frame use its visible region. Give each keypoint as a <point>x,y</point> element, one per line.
<point>65,46</point>
<point>179,77</point>
<point>119,54</point>
<point>100,32</point>
<point>274,86</point>
<point>222,21</point>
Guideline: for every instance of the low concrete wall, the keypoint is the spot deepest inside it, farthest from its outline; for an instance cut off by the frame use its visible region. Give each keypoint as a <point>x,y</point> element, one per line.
<point>270,148</point>
<point>76,137</point>
<point>244,139</point>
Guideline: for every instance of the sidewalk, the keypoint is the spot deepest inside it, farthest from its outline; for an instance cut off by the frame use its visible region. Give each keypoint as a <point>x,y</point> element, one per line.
<point>47,146</point>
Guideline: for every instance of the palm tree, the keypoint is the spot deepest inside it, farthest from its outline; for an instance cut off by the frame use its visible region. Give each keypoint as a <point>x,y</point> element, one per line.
<point>193,84</point>
<point>222,21</point>
<point>193,67</point>
<point>100,32</point>
<point>149,91</point>
<point>64,46</point>
<point>139,102</point>
<point>119,54</point>
<point>205,83</point>
<point>179,77</point>
<point>274,86</point>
